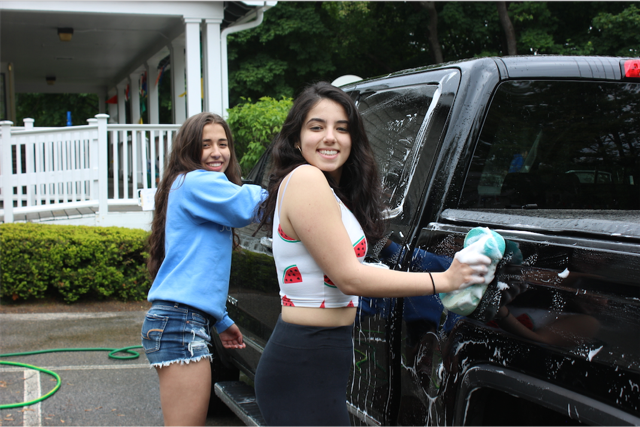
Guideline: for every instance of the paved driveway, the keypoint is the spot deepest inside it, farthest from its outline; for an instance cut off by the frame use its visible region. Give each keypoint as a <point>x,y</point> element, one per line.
<point>96,390</point>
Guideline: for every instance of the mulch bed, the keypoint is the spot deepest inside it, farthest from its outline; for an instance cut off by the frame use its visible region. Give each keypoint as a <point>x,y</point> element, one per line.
<point>51,305</point>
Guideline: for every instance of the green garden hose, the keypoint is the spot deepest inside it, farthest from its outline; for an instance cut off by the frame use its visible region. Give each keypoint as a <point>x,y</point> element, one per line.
<point>112,354</point>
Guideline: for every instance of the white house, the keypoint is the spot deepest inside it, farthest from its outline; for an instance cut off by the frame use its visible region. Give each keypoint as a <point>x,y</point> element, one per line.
<point>113,49</point>
<point>105,47</point>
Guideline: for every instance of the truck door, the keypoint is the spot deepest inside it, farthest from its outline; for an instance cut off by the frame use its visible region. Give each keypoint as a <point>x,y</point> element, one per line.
<point>555,171</point>
<point>404,119</point>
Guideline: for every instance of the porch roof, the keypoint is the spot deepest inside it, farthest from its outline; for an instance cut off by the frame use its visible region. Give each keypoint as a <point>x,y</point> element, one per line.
<point>110,39</point>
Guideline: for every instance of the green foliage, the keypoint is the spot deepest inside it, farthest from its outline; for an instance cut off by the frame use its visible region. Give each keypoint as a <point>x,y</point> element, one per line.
<point>291,48</point>
<point>618,34</point>
<point>537,41</point>
<point>535,26</point>
<point>253,271</point>
<point>259,72</point>
<point>254,125</point>
<point>165,113</point>
<point>375,38</point>
<point>469,29</point>
<point>572,28</point>
<point>299,43</point>
<point>38,260</point>
<point>50,109</point>
<point>302,42</point>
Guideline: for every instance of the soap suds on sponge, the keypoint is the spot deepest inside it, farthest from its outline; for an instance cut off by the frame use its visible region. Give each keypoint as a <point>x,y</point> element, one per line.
<point>480,241</point>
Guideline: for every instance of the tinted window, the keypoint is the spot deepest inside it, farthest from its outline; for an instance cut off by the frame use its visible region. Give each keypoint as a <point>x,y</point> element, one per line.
<point>558,145</point>
<point>393,120</point>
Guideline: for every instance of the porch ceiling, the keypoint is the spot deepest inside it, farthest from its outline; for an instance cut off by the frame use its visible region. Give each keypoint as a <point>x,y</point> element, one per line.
<point>108,43</point>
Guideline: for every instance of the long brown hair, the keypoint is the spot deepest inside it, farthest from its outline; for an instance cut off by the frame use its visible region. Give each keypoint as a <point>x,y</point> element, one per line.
<point>186,156</point>
<point>359,188</point>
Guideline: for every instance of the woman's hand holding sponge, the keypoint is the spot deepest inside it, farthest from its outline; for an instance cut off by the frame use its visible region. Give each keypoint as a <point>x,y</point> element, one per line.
<point>479,241</point>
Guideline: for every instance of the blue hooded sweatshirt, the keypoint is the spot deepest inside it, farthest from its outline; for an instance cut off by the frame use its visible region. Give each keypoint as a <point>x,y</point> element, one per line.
<point>202,208</point>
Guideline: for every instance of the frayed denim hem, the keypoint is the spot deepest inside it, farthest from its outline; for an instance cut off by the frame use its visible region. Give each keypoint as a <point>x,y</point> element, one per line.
<point>182,361</point>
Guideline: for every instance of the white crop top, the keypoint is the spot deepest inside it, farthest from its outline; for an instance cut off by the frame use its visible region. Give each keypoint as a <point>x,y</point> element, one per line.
<point>302,282</point>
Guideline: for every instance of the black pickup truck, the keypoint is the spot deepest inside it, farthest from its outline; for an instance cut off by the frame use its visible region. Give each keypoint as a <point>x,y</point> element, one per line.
<point>545,150</point>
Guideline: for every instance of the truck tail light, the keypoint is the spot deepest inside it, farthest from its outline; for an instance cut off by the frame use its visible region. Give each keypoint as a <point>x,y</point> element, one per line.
<point>632,68</point>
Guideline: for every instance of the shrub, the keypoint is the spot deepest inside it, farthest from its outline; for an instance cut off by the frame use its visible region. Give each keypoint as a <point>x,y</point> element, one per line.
<point>38,260</point>
<point>253,271</point>
<point>254,125</point>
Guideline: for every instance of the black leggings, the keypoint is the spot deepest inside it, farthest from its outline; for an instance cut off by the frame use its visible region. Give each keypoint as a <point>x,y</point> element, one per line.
<point>302,375</point>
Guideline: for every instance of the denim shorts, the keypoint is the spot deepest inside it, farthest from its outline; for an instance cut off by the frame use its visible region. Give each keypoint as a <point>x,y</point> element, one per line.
<point>175,333</point>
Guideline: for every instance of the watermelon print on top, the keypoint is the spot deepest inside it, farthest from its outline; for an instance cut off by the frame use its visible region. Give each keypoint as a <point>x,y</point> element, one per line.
<point>361,247</point>
<point>328,282</point>
<point>361,250</point>
<point>302,281</point>
<point>292,275</point>
<point>284,237</point>
<point>286,301</point>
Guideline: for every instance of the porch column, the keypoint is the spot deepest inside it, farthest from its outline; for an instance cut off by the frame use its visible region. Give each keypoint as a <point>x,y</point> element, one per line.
<point>212,66</point>
<point>194,83</point>
<point>178,88</point>
<point>99,164</point>
<point>122,109</point>
<point>152,91</point>
<point>6,169</point>
<point>134,93</point>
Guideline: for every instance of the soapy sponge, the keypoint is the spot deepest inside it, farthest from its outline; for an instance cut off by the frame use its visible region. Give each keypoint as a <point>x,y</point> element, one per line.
<point>479,240</point>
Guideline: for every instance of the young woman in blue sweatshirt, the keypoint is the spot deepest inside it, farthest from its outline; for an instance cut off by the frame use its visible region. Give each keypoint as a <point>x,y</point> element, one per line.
<point>199,202</point>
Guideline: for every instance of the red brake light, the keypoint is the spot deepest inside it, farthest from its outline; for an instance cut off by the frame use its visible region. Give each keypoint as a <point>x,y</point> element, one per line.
<point>632,68</point>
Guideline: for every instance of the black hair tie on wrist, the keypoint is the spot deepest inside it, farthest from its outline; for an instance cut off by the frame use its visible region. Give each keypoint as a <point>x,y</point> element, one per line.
<point>432,283</point>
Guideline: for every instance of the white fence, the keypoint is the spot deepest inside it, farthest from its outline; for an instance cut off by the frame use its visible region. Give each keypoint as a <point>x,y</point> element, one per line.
<point>97,165</point>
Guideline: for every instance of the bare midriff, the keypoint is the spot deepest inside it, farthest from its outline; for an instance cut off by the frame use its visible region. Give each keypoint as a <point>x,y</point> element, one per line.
<point>325,317</point>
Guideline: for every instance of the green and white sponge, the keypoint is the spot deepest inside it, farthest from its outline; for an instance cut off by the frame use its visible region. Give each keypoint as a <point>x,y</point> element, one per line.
<point>479,241</point>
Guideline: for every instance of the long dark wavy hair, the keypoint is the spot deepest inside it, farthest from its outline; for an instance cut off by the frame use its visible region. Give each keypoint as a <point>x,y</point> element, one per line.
<point>359,187</point>
<point>186,156</point>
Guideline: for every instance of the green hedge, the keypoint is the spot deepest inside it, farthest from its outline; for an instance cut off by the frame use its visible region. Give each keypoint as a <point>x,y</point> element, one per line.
<point>39,260</point>
<point>253,271</point>
<point>254,124</point>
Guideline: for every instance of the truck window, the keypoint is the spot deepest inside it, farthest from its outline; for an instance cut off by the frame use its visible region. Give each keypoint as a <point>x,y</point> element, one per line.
<point>394,120</point>
<point>558,145</point>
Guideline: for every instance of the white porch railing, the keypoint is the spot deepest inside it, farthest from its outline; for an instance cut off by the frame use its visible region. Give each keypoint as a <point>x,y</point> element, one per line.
<point>97,165</point>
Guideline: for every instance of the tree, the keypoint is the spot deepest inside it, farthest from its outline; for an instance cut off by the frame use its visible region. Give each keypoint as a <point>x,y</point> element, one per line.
<point>617,34</point>
<point>509,32</point>
<point>470,29</point>
<point>50,109</point>
<point>576,34</point>
<point>534,26</point>
<point>165,113</point>
<point>564,28</point>
<point>302,42</point>
<point>254,125</point>
<point>291,48</point>
<point>432,30</point>
<point>374,38</point>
